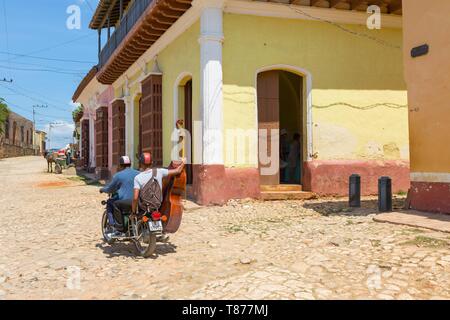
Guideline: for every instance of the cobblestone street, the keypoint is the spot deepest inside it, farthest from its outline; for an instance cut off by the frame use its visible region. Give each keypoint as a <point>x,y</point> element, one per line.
<point>246,250</point>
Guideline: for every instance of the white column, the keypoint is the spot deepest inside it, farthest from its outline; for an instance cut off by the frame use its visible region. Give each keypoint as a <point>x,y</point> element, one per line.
<point>92,148</point>
<point>129,127</point>
<point>211,79</point>
<point>80,142</point>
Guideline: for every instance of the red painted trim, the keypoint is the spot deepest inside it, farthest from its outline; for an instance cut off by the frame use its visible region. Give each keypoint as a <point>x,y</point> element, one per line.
<point>430,196</point>
<point>215,184</point>
<point>330,178</point>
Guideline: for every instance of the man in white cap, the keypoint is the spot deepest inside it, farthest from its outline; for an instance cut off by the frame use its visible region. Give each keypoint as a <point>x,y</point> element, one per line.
<point>122,184</point>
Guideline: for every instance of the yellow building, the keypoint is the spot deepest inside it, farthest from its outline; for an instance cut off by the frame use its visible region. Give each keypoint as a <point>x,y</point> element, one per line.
<point>426,52</point>
<point>242,73</point>
<point>40,140</point>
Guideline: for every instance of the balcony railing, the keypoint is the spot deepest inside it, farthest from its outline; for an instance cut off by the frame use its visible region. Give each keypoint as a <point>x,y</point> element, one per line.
<point>127,23</point>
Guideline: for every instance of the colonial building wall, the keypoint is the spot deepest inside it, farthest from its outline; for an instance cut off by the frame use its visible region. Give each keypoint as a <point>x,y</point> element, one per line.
<point>428,81</point>
<point>18,137</point>
<point>180,57</point>
<point>357,96</point>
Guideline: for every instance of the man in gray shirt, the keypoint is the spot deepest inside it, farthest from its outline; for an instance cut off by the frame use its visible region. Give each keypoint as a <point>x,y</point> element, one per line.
<point>147,174</point>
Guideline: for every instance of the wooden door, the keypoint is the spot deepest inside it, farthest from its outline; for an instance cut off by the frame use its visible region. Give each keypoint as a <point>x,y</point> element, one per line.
<point>188,126</point>
<point>101,137</point>
<point>152,130</point>
<point>268,126</point>
<point>140,128</point>
<point>85,142</point>
<point>118,131</point>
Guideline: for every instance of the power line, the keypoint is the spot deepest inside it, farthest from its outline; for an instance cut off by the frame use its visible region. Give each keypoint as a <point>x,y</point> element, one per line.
<point>21,55</point>
<point>55,46</point>
<point>7,34</point>
<point>38,70</point>
<point>39,95</point>
<point>89,5</point>
<point>31,112</point>
<point>80,71</point>
<point>34,99</point>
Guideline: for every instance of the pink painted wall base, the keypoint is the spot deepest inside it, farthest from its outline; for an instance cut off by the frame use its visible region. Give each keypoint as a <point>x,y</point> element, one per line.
<point>331,178</point>
<point>430,196</point>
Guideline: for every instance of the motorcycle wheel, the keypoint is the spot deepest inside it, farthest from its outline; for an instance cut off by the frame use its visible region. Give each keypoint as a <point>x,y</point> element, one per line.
<point>146,241</point>
<point>106,228</point>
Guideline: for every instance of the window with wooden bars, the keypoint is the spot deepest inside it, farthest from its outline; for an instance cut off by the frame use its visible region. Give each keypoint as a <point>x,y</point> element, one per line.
<point>85,142</point>
<point>118,131</point>
<point>101,135</point>
<point>151,118</point>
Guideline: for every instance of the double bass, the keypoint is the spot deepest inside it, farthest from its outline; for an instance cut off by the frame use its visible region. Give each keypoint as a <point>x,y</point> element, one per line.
<point>174,190</point>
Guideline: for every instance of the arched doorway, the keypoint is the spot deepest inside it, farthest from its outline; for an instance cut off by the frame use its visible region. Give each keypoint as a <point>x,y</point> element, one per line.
<point>185,114</point>
<point>282,127</point>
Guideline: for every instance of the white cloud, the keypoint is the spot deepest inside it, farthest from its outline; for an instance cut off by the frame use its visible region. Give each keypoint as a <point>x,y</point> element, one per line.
<point>60,134</point>
<point>74,105</point>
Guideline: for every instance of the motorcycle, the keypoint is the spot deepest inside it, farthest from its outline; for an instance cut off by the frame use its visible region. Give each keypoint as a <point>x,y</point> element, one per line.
<point>142,229</point>
<point>147,229</point>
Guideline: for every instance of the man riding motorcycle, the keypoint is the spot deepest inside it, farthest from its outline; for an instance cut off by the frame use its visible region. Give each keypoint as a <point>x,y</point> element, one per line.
<point>122,184</point>
<point>148,186</point>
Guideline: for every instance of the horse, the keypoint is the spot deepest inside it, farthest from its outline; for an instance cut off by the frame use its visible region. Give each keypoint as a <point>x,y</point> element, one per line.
<point>50,157</point>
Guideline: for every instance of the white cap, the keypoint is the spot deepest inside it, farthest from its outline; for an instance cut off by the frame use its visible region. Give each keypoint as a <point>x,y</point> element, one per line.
<point>125,160</point>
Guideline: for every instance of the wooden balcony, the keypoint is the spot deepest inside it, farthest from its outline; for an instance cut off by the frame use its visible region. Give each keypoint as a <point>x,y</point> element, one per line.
<point>141,26</point>
<point>127,23</point>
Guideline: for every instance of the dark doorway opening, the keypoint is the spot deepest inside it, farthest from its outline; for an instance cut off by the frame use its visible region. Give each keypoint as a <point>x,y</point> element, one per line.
<point>280,107</point>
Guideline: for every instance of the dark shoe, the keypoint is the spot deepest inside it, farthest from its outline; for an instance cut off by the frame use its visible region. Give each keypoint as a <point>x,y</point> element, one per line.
<point>163,238</point>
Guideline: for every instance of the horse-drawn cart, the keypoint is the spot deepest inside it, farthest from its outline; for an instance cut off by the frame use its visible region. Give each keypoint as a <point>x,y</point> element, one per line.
<point>60,164</point>
<point>59,159</point>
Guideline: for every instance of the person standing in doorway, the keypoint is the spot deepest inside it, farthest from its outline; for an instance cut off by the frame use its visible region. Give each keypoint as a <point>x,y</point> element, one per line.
<point>293,167</point>
<point>284,154</point>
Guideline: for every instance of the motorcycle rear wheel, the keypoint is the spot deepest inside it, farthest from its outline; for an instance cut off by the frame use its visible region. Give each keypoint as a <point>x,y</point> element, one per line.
<point>106,228</point>
<point>145,243</point>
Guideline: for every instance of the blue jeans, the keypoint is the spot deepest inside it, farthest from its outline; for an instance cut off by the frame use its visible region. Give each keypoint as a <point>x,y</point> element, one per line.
<point>110,210</point>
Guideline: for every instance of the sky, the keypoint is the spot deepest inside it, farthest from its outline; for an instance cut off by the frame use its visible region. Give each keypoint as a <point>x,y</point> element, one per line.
<point>45,60</point>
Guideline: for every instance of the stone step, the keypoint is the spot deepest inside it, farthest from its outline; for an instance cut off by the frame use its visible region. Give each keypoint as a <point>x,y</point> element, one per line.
<point>287,195</point>
<point>281,188</point>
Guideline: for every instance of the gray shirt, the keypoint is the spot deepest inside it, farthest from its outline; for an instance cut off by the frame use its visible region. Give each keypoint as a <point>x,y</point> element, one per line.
<point>143,178</point>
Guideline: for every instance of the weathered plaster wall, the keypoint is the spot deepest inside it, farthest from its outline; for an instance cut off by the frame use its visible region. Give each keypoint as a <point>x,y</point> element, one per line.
<point>181,56</point>
<point>351,76</point>
<point>428,80</point>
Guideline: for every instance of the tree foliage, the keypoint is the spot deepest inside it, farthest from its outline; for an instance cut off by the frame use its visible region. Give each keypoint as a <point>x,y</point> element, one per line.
<point>77,114</point>
<point>4,113</point>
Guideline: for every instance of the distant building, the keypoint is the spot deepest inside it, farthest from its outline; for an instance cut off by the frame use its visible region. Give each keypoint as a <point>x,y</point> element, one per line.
<point>18,137</point>
<point>427,65</point>
<point>40,138</point>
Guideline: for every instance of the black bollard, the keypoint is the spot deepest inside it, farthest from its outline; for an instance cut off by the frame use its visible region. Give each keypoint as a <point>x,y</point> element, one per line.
<point>385,194</point>
<point>354,193</point>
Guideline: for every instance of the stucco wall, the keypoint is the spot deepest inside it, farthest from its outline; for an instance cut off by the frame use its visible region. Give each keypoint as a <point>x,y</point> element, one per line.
<point>428,79</point>
<point>181,56</point>
<point>358,94</point>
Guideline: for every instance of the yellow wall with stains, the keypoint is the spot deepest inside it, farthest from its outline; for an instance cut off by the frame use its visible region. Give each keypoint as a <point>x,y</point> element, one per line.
<point>351,76</point>
<point>180,56</point>
<point>428,79</point>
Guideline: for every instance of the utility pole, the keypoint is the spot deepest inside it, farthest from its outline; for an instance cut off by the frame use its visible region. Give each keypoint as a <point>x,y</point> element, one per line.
<point>34,119</point>
<point>50,126</point>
